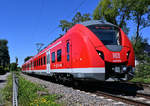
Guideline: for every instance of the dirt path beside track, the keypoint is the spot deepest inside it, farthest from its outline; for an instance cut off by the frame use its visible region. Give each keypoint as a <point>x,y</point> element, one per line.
<point>3,80</point>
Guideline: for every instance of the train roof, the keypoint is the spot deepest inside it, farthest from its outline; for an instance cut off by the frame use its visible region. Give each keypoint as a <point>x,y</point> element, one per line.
<point>94,22</point>
<point>85,23</point>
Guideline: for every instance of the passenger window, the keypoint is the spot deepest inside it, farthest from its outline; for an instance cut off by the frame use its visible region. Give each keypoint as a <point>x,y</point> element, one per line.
<point>41,61</point>
<point>34,63</point>
<point>59,55</point>
<point>44,60</point>
<point>53,57</point>
<point>68,57</point>
<point>37,63</point>
<point>68,49</point>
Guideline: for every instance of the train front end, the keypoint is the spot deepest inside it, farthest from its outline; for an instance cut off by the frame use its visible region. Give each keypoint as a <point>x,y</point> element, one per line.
<point>115,50</point>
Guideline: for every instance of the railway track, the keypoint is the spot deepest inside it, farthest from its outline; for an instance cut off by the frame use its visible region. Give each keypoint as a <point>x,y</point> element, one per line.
<point>123,95</point>
<point>147,96</point>
<point>128,96</point>
<point>15,90</point>
<point>123,99</point>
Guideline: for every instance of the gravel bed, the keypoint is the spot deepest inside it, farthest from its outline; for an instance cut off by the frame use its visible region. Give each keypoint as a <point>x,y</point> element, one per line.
<point>3,80</point>
<point>71,97</point>
<point>145,90</point>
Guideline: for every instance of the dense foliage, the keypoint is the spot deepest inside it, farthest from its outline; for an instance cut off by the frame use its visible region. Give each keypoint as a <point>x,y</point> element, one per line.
<point>142,56</point>
<point>13,66</point>
<point>27,58</point>
<point>4,56</point>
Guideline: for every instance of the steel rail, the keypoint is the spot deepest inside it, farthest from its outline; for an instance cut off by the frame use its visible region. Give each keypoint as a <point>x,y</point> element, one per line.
<point>122,99</point>
<point>15,90</point>
<point>147,96</point>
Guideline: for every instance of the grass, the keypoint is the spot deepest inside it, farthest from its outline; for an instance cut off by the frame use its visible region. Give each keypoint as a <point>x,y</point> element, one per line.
<point>28,95</point>
<point>6,93</point>
<point>140,79</point>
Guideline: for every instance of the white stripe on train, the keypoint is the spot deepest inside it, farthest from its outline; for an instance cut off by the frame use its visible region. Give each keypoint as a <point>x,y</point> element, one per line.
<point>71,70</point>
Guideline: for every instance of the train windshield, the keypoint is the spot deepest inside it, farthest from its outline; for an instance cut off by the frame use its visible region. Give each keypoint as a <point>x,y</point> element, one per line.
<point>109,35</point>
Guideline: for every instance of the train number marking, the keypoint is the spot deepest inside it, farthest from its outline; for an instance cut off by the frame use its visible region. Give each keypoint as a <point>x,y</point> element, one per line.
<point>116,55</point>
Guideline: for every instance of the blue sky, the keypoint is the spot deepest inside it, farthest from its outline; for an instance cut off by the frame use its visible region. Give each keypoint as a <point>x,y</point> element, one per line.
<point>27,22</point>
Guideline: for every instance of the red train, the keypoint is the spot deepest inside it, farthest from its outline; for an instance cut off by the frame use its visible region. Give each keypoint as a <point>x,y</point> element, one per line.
<point>92,50</point>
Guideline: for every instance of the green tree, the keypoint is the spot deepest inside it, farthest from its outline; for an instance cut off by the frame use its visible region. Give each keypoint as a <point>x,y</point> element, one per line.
<point>80,18</point>
<point>113,11</point>
<point>139,48</point>
<point>27,58</point>
<point>140,12</point>
<point>13,66</point>
<point>143,66</point>
<point>4,54</point>
<point>66,25</point>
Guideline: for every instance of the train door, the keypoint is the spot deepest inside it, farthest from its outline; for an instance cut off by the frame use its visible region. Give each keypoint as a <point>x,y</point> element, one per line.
<point>68,54</point>
<point>48,61</point>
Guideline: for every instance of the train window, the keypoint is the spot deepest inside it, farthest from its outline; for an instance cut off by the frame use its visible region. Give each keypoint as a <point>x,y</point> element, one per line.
<point>34,63</point>
<point>59,55</point>
<point>53,57</point>
<point>37,63</point>
<point>31,64</point>
<point>41,61</point>
<point>67,47</point>
<point>68,57</point>
<point>44,60</point>
<point>106,33</point>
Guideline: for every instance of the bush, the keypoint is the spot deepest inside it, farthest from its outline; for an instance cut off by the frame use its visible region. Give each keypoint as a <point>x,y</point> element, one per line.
<point>142,73</point>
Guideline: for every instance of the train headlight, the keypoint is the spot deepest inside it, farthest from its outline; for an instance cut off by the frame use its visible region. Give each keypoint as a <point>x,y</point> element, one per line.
<point>100,54</point>
<point>117,69</point>
<point>124,69</point>
<point>128,53</point>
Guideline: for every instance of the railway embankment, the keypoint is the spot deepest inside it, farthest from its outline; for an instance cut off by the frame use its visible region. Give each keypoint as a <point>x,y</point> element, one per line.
<point>34,94</point>
<point>5,89</point>
<point>35,90</point>
<point>29,93</point>
<point>69,96</point>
